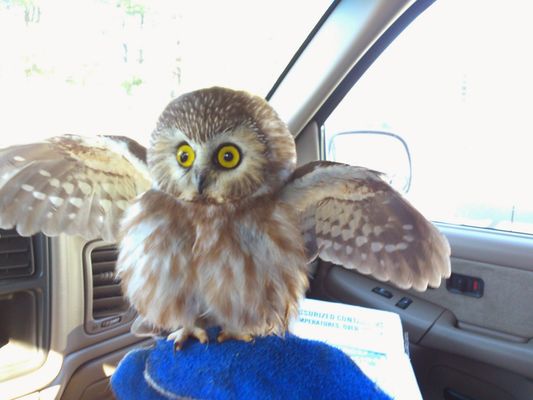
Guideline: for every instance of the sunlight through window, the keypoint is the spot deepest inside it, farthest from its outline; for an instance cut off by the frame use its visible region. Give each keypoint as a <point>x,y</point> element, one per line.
<point>110,66</point>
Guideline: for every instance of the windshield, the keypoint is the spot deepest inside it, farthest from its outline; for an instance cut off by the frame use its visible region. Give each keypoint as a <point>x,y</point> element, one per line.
<point>110,66</point>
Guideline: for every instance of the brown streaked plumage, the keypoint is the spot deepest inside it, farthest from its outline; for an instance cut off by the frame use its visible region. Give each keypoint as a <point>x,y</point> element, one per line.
<point>70,184</point>
<point>232,265</point>
<point>354,218</point>
<point>224,235</point>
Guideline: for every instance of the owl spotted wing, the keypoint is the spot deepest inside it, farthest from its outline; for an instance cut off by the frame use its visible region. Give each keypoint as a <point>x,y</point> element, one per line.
<point>352,217</point>
<point>70,184</point>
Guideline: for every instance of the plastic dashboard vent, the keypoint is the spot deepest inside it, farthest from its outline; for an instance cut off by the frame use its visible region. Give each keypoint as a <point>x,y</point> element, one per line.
<point>16,255</point>
<point>107,294</point>
<point>105,306</point>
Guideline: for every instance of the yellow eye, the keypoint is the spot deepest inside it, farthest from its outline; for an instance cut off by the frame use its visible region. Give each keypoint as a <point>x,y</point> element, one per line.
<point>228,156</point>
<point>185,155</point>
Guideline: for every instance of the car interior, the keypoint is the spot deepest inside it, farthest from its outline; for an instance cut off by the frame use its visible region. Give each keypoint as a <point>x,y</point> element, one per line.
<point>64,325</point>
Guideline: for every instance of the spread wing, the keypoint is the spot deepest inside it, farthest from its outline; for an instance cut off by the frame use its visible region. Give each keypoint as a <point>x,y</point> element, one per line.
<point>352,217</point>
<point>71,184</point>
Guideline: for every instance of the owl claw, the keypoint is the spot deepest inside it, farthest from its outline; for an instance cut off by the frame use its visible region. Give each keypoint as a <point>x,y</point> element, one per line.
<point>223,336</point>
<point>180,336</point>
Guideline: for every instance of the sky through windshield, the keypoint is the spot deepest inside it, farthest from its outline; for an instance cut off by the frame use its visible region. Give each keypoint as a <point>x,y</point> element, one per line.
<point>110,66</point>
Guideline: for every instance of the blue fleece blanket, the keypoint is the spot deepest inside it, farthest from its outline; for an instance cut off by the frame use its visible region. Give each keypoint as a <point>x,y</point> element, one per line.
<point>267,368</point>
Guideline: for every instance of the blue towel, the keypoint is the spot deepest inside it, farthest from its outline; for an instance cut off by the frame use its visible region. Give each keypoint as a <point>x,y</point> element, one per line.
<point>267,368</point>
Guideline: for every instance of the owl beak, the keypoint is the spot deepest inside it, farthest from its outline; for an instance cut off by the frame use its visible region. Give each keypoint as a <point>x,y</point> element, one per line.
<point>201,183</point>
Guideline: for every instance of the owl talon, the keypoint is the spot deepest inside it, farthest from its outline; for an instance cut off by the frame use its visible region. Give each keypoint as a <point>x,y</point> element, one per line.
<point>180,336</point>
<point>223,336</point>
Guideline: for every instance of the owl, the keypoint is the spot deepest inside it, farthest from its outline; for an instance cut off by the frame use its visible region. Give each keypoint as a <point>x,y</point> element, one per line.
<point>216,226</point>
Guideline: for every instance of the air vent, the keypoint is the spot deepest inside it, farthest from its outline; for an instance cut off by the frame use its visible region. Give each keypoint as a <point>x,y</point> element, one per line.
<point>106,307</point>
<point>107,294</point>
<point>16,255</point>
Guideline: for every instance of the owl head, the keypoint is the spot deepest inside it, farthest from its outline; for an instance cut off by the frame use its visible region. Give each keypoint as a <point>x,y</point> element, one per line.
<point>218,145</point>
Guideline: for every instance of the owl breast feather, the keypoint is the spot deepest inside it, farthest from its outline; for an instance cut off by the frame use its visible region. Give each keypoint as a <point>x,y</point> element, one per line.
<point>187,264</point>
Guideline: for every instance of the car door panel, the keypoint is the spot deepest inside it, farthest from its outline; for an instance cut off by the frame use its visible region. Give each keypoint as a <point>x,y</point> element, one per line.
<point>495,331</point>
<point>503,306</point>
<point>442,375</point>
<point>338,284</point>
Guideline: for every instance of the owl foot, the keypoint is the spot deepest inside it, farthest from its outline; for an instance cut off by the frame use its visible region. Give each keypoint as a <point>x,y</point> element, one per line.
<point>180,336</point>
<point>223,336</point>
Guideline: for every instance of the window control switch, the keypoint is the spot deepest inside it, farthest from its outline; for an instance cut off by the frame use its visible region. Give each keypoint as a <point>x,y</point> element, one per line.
<point>382,292</point>
<point>464,284</point>
<point>404,302</point>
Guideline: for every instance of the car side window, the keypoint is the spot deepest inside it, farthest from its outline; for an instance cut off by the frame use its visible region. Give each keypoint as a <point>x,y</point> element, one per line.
<point>457,87</point>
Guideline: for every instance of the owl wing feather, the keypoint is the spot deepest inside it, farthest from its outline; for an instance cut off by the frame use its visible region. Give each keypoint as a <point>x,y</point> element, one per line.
<point>71,184</point>
<point>352,217</point>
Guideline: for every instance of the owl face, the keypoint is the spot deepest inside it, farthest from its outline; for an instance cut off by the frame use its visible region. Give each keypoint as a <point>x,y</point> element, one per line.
<point>218,145</point>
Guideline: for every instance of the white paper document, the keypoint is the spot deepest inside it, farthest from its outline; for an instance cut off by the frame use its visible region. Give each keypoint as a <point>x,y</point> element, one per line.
<point>372,338</point>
